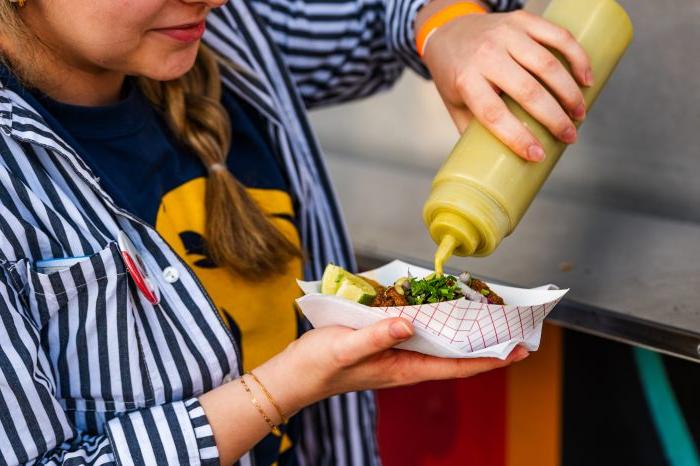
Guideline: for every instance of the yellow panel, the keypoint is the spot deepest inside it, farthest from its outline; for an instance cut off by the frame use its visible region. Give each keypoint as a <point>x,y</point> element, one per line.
<point>534,405</point>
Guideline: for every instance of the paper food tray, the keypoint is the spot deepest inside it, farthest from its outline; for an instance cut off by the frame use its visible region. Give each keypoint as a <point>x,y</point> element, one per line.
<point>453,329</point>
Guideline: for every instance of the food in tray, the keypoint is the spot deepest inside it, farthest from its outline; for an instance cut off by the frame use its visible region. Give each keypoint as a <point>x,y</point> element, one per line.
<point>406,291</point>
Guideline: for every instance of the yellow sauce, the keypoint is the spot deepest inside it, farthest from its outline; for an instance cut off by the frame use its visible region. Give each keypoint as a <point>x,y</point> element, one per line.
<point>444,251</point>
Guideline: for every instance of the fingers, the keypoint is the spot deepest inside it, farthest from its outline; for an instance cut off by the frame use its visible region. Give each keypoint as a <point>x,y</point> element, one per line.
<point>543,64</point>
<point>432,368</point>
<point>492,112</point>
<point>535,99</point>
<point>357,345</point>
<point>518,354</point>
<point>559,38</point>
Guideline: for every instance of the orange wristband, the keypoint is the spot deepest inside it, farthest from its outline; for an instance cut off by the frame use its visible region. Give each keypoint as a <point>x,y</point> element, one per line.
<point>443,17</point>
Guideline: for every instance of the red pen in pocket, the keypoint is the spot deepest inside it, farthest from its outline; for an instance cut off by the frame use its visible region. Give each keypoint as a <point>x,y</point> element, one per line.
<point>136,268</point>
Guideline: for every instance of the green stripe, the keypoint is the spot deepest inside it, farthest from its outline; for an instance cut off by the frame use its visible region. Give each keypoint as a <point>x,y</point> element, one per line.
<point>671,427</point>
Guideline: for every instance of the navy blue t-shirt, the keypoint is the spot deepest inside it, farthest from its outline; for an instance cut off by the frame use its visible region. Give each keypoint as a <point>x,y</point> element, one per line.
<point>148,172</point>
<point>130,147</point>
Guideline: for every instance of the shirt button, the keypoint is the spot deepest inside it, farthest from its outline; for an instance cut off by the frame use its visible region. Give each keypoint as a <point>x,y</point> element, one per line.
<point>170,274</point>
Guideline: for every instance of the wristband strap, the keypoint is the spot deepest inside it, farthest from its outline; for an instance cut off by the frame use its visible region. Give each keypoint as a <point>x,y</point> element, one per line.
<point>443,17</point>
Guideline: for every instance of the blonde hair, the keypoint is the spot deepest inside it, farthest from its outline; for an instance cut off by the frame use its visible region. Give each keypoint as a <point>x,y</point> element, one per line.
<point>239,235</point>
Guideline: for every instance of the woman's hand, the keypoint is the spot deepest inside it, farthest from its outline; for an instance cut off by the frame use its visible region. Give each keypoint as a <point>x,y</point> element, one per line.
<point>328,361</point>
<point>473,58</point>
<point>322,363</point>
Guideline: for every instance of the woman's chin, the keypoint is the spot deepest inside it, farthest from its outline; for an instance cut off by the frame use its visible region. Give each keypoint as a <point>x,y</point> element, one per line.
<point>168,66</point>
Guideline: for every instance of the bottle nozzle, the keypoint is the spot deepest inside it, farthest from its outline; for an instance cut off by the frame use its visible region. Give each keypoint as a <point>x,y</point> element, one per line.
<point>447,246</point>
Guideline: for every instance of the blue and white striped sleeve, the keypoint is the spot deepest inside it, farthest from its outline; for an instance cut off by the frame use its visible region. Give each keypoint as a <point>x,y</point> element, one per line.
<point>34,428</point>
<point>174,433</point>
<point>347,49</point>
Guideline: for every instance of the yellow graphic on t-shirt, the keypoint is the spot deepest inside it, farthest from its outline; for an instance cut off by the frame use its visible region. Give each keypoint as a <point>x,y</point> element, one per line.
<point>262,309</point>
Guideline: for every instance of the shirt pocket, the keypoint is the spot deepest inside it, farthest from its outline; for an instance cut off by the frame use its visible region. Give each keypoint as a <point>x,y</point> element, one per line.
<point>90,333</point>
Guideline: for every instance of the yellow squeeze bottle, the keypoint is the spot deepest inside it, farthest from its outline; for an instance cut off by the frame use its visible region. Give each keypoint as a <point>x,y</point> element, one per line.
<point>483,189</point>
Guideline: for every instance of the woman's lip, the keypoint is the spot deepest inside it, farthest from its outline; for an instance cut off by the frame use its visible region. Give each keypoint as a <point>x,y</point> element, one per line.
<point>185,33</point>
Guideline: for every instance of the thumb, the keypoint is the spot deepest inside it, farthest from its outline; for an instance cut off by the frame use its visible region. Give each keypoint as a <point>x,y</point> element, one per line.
<point>360,344</point>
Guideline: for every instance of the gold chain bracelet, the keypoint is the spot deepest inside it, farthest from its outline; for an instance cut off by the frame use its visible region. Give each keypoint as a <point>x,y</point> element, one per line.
<point>269,397</point>
<point>273,427</point>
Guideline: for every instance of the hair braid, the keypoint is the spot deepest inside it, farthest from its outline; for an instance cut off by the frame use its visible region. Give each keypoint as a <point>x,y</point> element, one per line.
<point>239,236</point>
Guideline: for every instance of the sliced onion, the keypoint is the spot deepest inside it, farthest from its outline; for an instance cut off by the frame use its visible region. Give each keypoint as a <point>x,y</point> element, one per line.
<point>472,295</point>
<point>465,277</point>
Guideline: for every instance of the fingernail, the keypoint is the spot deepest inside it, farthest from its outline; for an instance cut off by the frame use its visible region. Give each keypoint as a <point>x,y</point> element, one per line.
<point>580,112</point>
<point>589,77</point>
<point>569,135</point>
<point>535,153</point>
<point>400,330</point>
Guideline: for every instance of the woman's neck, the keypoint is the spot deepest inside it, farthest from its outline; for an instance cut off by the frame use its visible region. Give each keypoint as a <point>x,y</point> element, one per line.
<point>76,86</point>
<point>64,81</point>
<point>85,89</point>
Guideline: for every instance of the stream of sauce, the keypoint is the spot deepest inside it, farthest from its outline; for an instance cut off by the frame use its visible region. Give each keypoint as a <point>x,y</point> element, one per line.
<point>444,251</point>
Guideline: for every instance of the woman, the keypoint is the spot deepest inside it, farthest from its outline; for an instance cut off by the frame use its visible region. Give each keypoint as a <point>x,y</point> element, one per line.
<point>121,129</point>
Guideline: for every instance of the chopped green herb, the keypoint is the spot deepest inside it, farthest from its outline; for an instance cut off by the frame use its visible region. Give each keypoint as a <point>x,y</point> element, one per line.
<point>433,289</point>
<point>485,292</point>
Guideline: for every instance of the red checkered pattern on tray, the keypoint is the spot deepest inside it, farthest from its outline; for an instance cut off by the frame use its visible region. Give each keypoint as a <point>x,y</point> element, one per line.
<point>473,326</point>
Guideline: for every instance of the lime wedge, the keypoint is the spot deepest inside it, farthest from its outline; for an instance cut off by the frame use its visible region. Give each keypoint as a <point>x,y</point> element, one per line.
<point>338,281</point>
<point>332,276</point>
<point>356,289</point>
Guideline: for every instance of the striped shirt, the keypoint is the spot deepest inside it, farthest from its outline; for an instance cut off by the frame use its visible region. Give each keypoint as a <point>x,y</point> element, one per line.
<point>90,371</point>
